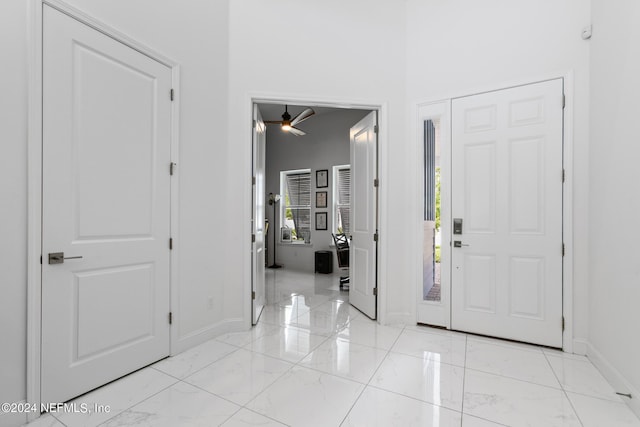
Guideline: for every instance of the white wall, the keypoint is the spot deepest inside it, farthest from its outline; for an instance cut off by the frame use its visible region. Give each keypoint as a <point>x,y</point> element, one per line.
<point>459,47</point>
<point>13,201</point>
<point>325,145</point>
<point>193,33</point>
<point>322,50</point>
<point>615,201</point>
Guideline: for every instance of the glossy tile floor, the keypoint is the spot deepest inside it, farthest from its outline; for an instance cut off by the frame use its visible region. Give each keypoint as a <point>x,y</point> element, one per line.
<point>313,360</point>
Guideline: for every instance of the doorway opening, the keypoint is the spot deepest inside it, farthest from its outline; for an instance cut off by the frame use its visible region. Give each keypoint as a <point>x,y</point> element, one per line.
<point>311,189</point>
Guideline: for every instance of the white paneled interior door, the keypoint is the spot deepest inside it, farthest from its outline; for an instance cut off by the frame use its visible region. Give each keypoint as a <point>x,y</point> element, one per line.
<point>106,207</point>
<point>363,249</point>
<point>507,190</point>
<point>258,254</point>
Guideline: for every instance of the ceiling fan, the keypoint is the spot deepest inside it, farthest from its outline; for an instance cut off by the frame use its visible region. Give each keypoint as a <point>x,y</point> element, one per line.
<point>288,125</point>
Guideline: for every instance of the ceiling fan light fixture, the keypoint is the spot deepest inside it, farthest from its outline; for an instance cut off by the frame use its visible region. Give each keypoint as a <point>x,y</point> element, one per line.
<point>286,126</point>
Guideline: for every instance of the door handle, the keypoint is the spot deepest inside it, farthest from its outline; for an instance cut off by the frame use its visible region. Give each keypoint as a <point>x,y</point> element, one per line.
<point>458,244</point>
<point>58,257</point>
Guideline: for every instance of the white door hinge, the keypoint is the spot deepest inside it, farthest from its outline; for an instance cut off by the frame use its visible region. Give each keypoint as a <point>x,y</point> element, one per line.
<point>170,318</point>
<point>171,94</point>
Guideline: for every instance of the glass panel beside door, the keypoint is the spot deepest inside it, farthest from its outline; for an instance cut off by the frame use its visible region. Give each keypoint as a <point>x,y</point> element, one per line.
<point>432,239</point>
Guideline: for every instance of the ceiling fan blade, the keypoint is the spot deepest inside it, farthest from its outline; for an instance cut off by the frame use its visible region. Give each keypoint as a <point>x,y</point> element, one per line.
<point>273,122</point>
<point>296,131</point>
<point>302,116</point>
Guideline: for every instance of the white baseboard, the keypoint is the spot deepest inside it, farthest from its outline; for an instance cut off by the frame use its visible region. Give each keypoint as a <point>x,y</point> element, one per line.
<point>615,378</point>
<point>399,318</point>
<point>12,419</point>
<point>205,334</point>
<point>580,346</point>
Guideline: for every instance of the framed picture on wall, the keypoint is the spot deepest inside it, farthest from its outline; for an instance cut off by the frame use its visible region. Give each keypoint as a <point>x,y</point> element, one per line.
<point>321,220</point>
<point>285,234</point>
<point>321,199</point>
<point>322,178</point>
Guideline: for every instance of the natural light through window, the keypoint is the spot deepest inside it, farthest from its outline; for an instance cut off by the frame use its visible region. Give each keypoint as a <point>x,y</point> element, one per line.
<point>341,198</point>
<point>295,216</point>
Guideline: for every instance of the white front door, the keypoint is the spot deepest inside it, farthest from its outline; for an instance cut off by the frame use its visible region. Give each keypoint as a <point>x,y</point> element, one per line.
<point>363,249</point>
<point>258,257</point>
<point>106,203</point>
<point>507,190</point>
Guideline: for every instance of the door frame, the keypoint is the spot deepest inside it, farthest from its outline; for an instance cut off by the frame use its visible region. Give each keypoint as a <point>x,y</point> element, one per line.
<point>270,98</point>
<point>568,343</point>
<point>34,180</point>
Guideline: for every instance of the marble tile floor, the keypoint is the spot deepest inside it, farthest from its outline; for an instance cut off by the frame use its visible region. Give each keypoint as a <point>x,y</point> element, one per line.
<point>313,360</point>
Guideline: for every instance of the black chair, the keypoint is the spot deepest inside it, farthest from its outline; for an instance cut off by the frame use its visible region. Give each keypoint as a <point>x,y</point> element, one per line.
<point>342,252</point>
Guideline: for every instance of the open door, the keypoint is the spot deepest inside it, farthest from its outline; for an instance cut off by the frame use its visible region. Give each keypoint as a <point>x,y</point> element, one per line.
<point>258,225</point>
<point>364,205</point>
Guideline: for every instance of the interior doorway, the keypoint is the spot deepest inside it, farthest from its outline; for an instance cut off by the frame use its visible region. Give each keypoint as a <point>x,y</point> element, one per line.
<point>309,189</point>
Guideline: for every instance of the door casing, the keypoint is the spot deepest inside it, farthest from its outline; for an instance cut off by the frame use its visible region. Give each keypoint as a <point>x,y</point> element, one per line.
<point>381,109</point>
<point>34,176</point>
<point>567,202</point>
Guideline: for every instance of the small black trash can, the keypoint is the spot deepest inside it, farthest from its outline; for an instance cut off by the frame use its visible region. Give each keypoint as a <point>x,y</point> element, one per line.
<point>324,262</point>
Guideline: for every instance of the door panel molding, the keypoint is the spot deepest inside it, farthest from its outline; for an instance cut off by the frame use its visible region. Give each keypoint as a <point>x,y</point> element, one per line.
<point>571,343</point>
<point>34,174</point>
<point>488,209</point>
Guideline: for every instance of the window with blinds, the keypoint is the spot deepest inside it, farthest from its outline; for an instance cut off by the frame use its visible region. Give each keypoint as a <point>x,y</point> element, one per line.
<point>296,206</point>
<point>341,198</point>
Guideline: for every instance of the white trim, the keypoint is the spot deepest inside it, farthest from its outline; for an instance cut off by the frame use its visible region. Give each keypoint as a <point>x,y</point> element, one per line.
<point>176,345</point>
<point>568,164</point>
<point>16,418</point>
<point>34,205</point>
<point>615,378</point>
<point>580,346</point>
<point>207,333</point>
<point>34,179</point>
<point>567,215</point>
<point>311,100</point>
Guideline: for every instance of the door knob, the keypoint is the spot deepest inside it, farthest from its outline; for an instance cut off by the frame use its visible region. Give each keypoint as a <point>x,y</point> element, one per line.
<point>458,244</point>
<point>58,257</point>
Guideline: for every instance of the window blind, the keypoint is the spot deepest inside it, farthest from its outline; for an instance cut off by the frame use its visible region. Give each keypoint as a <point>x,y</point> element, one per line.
<point>299,200</point>
<point>429,171</point>
<point>343,210</point>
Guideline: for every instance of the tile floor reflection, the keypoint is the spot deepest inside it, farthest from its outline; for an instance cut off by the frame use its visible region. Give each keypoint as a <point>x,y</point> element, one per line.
<point>313,360</point>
